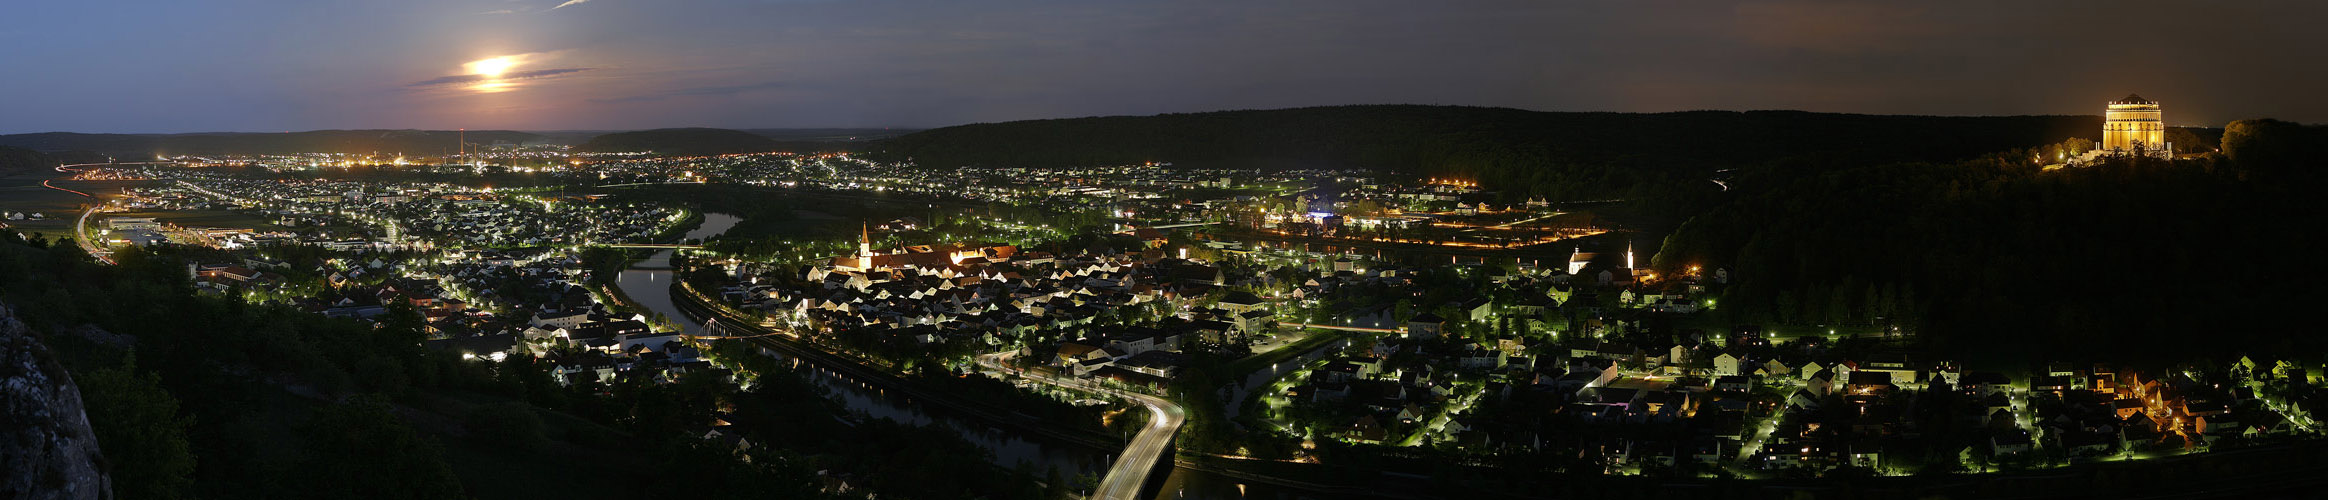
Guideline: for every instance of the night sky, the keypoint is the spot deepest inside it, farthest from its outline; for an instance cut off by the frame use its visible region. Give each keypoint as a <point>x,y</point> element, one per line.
<point>276,65</point>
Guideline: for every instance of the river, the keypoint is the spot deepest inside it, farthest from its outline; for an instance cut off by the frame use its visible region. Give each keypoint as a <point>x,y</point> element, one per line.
<point>648,283</point>
<point>1010,447</point>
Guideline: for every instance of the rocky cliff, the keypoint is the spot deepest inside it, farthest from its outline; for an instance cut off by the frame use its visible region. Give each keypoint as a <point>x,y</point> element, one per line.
<point>46,448</point>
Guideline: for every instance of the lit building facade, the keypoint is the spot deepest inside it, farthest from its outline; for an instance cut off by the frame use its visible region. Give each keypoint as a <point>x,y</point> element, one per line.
<point>865,248</point>
<point>2134,123</point>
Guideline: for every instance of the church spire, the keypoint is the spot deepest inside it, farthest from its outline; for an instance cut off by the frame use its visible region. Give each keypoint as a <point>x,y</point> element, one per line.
<point>865,247</point>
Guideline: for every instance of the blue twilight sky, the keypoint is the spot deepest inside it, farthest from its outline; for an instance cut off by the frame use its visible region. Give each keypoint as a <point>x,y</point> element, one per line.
<point>273,65</point>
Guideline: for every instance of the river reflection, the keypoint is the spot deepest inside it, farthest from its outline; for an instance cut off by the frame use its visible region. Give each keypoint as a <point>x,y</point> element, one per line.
<point>648,283</point>
<point>1011,448</point>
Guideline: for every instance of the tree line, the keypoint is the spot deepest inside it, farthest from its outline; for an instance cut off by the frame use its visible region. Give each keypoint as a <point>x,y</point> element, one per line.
<point>195,394</point>
<point>2139,259</point>
<point>1571,156</point>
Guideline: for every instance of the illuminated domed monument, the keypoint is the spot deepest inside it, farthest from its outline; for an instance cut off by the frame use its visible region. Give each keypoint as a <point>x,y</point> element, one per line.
<point>2134,124</point>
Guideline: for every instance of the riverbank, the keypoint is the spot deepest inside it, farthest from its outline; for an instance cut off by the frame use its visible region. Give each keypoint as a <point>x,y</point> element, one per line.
<point>644,284</point>
<point>1015,438</point>
<point>767,338</point>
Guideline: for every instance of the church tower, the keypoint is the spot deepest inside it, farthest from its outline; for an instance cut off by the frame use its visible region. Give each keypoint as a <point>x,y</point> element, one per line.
<point>865,248</point>
<point>2134,123</point>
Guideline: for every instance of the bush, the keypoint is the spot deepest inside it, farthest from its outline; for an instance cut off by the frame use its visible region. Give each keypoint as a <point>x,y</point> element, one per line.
<point>506,424</point>
<point>360,448</point>
<point>142,433</point>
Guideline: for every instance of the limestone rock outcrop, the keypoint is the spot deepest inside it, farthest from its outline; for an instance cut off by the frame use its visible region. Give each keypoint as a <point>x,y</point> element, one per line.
<point>46,448</point>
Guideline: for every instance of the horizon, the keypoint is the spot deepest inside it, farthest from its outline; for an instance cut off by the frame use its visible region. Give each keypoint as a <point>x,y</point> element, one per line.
<point>259,65</point>
<point>918,129</point>
<point>1167,250</point>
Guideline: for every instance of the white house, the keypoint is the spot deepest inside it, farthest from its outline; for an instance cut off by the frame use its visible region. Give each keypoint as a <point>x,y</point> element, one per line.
<point>1725,364</point>
<point>559,319</point>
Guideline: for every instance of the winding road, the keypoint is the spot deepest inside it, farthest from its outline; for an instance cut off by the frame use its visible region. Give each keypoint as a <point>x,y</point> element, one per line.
<point>88,245</point>
<point>45,184</point>
<point>81,226</point>
<point>1129,474</point>
<point>1124,479</point>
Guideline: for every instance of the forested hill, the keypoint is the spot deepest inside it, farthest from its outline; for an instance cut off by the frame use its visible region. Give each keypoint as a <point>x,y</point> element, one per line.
<point>681,142</point>
<point>138,146</point>
<point>13,160</point>
<point>1482,142</point>
<point>1998,259</point>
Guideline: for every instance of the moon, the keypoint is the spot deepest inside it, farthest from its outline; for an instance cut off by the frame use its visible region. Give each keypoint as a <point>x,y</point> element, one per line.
<point>491,67</point>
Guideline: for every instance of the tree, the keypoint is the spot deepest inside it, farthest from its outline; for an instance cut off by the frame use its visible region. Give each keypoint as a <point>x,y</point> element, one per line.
<point>139,428</point>
<point>1839,304</point>
<point>1887,305</point>
<point>1870,304</point>
<point>1057,486</point>
<point>2185,141</point>
<point>1787,308</point>
<point>510,424</point>
<point>1087,482</point>
<point>2257,141</point>
<point>359,448</point>
<point>2273,146</point>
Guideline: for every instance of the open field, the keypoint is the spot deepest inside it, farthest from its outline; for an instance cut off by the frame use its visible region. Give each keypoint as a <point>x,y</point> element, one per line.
<point>782,212</point>
<point>24,193</point>
<point>203,218</point>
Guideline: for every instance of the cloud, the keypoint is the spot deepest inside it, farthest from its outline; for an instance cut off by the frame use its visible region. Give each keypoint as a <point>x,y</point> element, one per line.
<point>568,2</point>
<point>512,9</point>
<point>468,79</point>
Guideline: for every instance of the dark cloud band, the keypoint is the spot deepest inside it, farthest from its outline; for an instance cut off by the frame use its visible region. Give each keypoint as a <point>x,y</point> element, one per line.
<point>521,75</point>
